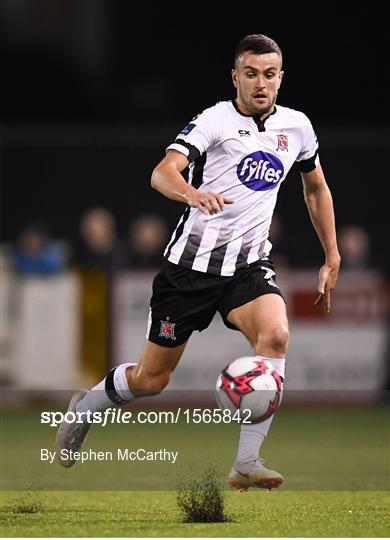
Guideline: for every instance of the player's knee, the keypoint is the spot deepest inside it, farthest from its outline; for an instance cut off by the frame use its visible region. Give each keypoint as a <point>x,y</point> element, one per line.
<point>275,338</point>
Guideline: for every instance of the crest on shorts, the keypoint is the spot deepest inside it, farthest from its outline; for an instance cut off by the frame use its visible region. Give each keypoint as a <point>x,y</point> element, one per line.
<point>282,142</point>
<point>167,329</point>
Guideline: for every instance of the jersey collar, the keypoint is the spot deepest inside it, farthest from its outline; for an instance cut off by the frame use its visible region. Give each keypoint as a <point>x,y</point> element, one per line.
<point>256,118</point>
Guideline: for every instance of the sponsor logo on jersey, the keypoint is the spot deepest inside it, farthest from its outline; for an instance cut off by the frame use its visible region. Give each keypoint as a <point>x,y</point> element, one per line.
<point>244,133</point>
<point>260,171</point>
<point>187,129</point>
<point>282,142</point>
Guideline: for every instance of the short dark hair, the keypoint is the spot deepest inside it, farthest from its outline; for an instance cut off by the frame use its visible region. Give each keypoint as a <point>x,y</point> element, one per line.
<point>257,44</point>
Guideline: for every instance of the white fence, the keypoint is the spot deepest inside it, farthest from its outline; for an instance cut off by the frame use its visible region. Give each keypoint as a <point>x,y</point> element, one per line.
<point>40,332</point>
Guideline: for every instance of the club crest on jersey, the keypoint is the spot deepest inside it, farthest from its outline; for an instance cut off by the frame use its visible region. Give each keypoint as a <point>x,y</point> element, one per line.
<point>260,171</point>
<point>282,142</point>
<point>167,330</point>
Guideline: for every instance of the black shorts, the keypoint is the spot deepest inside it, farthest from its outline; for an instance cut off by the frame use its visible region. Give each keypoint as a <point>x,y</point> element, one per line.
<point>185,300</point>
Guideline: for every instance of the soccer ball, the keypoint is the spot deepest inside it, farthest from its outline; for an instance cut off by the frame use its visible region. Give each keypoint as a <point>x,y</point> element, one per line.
<point>249,384</point>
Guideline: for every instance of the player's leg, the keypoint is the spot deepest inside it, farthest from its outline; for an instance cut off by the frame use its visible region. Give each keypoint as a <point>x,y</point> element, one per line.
<point>148,377</point>
<point>183,300</point>
<point>264,322</point>
<point>122,384</point>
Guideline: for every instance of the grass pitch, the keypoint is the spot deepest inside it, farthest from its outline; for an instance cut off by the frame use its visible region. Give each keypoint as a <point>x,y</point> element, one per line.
<point>335,462</point>
<point>150,514</point>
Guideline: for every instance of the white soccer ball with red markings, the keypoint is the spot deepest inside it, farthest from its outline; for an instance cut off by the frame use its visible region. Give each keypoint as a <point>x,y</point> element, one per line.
<point>252,387</point>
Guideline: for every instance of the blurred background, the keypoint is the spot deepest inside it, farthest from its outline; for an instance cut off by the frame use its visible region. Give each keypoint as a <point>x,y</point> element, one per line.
<point>92,94</point>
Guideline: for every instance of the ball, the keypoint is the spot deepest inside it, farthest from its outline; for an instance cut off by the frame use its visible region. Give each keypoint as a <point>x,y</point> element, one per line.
<point>252,387</point>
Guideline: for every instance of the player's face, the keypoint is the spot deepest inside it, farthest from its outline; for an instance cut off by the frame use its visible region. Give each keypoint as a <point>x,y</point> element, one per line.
<point>257,78</point>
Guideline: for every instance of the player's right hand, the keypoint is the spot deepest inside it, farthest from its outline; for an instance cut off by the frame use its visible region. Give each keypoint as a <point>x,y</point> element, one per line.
<point>207,202</point>
<point>327,282</point>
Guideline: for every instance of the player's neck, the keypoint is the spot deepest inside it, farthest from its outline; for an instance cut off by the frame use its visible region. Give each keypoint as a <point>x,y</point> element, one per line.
<point>246,112</point>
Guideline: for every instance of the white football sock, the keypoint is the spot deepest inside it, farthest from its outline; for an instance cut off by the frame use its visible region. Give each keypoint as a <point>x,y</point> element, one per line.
<point>120,382</point>
<point>252,435</point>
<point>278,363</point>
<point>112,391</point>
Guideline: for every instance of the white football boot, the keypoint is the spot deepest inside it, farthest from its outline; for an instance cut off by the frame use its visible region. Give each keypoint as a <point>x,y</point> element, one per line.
<point>252,473</point>
<point>71,436</point>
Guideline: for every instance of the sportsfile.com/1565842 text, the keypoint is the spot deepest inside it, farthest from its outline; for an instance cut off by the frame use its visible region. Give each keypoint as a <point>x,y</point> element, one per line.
<point>118,416</point>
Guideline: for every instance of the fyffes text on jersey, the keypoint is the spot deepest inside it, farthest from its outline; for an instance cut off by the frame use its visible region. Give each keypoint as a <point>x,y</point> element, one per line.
<point>260,171</point>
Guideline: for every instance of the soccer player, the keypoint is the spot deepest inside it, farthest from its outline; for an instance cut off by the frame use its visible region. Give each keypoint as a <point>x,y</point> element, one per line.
<point>218,259</point>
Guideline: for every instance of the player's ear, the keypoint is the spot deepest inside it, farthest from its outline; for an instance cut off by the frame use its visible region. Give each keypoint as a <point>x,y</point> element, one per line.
<point>234,77</point>
<point>280,79</point>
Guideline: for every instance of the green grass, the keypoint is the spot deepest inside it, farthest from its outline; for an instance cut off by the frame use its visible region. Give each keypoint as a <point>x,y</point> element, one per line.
<point>149,514</point>
<point>321,449</point>
<point>336,465</point>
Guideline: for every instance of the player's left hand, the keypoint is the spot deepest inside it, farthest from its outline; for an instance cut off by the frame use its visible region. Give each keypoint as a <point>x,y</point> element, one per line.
<point>327,281</point>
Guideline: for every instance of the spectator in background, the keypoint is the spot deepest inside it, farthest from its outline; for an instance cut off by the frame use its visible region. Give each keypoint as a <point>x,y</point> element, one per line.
<point>35,253</point>
<point>99,247</point>
<point>148,235</point>
<point>354,244</point>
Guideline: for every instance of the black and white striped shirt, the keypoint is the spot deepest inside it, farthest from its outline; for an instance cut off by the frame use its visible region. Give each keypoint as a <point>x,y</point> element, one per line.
<point>244,159</point>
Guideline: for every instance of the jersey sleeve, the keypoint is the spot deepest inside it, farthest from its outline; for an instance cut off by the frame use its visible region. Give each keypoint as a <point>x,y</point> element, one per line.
<point>199,135</point>
<point>308,156</point>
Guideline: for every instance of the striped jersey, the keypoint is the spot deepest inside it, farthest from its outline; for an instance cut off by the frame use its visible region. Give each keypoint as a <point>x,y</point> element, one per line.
<point>244,159</point>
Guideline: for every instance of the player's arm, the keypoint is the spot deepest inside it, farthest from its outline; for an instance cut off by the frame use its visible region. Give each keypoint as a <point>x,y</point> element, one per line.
<point>320,205</point>
<point>168,180</point>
